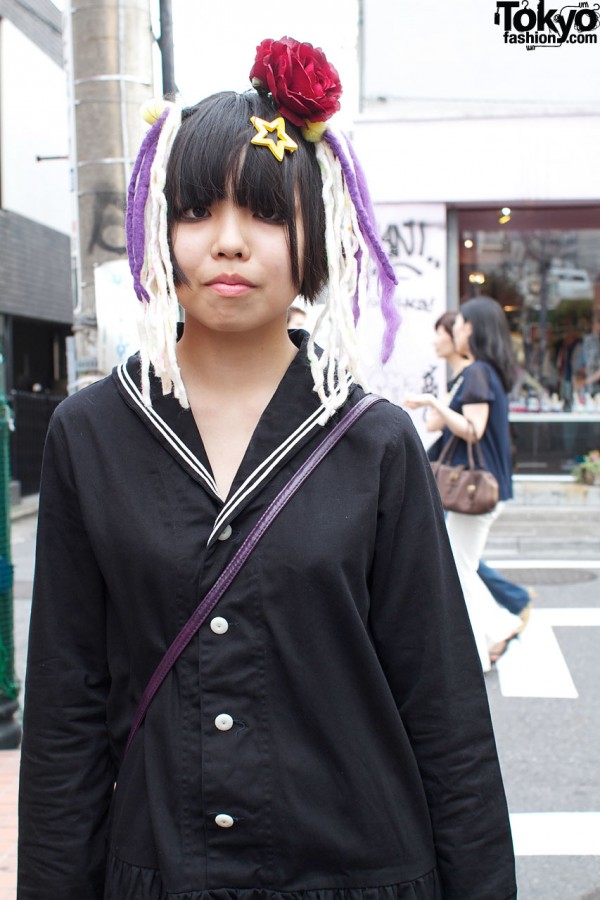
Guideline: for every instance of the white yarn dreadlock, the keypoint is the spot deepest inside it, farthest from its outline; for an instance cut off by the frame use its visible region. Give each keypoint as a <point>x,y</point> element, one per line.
<point>150,257</point>
<point>339,360</point>
<point>352,245</point>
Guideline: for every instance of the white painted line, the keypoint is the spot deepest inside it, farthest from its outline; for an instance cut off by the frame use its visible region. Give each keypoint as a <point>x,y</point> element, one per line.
<point>534,666</point>
<point>556,833</point>
<point>543,563</point>
<point>583,617</point>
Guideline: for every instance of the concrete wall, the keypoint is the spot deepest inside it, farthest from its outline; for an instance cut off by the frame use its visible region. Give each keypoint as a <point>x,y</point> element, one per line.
<point>453,112</point>
<point>33,103</point>
<point>550,158</point>
<point>40,21</point>
<point>436,50</point>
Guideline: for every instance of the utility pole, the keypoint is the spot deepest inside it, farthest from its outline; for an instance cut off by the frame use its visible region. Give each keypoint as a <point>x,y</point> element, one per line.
<point>165,42</point>
<point>109,62</point>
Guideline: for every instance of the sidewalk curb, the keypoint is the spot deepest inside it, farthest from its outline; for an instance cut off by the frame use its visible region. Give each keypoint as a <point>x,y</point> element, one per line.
<point>27,506</point>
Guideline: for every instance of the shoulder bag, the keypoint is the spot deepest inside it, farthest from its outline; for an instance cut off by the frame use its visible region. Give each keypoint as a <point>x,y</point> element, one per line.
<point>465,489</point>
<point>208,603</point>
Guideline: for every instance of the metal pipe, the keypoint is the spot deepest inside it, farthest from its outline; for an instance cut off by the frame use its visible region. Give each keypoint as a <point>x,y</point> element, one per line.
<point>165,42</point>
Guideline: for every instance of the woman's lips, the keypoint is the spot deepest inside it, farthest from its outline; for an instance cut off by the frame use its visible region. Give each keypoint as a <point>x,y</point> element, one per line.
<point>230,286</point>
<point>229,290</point>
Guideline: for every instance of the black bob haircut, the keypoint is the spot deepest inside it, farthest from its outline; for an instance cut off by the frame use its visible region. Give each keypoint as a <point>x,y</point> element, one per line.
<point>212,158</point>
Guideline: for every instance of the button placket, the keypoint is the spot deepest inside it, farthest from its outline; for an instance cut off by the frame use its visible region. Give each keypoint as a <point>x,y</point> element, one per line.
<point>227,738</point>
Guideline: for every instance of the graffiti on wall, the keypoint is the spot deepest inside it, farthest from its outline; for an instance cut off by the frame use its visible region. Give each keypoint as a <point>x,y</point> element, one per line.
<point>406,246</point>
<point>108,223</point>
<point>414,238</point>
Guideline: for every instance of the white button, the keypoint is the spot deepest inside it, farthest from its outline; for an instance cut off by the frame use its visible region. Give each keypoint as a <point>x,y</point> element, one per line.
<point>219,625</point>
<point>226,533</point>
<point>223,820</point>
<point>224,722</point>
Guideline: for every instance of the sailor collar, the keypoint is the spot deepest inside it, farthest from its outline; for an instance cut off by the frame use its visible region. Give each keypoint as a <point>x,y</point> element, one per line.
<point>289,421</point>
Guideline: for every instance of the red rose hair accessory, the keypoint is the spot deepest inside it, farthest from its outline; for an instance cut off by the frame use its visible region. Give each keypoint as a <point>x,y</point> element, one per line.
<point>304,86</point>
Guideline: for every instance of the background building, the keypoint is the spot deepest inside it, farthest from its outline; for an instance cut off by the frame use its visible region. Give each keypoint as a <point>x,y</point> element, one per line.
<point>71,86</point>
<point>36,297</point>
<point>480,155</point>
<point>493,145</point>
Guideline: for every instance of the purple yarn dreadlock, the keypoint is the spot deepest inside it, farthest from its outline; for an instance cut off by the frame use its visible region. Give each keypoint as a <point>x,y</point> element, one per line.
<point>359,194</point>
<point>137,196</point>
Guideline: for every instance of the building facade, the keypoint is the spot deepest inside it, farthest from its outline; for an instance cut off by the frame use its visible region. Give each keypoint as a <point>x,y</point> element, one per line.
<point>36,296</point>
<point>458,159</point>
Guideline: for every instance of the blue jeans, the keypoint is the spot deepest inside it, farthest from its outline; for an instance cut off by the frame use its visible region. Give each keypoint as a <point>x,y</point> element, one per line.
<point>510,595</point>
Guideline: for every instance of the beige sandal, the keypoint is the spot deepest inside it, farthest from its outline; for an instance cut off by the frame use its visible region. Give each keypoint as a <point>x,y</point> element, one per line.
<point>499,649</point>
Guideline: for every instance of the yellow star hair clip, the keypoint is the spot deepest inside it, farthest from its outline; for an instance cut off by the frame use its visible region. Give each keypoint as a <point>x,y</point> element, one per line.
<point>262,139</point>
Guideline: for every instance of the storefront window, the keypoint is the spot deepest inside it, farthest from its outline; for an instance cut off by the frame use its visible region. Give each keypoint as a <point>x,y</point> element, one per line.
<point>543,266</point>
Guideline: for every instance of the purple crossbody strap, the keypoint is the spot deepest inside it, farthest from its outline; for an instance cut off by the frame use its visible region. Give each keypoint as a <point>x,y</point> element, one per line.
<point>208,603</point>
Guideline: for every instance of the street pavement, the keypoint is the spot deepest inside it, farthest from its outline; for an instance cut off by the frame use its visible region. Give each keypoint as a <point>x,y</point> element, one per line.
<point>543,698</point>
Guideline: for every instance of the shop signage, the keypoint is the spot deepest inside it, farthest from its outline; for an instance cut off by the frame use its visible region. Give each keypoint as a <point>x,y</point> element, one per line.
<point>540,27</point>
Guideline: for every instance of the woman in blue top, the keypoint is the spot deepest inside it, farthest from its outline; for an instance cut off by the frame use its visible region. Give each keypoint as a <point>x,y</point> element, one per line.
<point>515,598</point>
<point>481,334</point>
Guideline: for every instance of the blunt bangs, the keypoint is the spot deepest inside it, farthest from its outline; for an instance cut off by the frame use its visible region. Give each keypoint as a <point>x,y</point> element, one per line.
<point>212,159</point>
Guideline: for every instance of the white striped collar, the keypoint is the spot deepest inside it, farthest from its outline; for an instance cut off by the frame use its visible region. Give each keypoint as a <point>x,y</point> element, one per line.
<point>164,430</point>
<point>298,398</point>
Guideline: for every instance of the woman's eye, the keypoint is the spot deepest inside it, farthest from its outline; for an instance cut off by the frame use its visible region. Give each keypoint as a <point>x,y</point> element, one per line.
<point>194,213</point>
<point>269,216</point>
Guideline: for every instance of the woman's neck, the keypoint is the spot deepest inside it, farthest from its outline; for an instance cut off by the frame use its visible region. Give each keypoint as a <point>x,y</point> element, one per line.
<point>457,363</point>
<point>230,379</point>
<point>233,363</point>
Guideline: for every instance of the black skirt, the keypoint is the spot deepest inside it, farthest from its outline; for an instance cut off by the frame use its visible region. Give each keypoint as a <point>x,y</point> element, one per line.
<point>127,882</point>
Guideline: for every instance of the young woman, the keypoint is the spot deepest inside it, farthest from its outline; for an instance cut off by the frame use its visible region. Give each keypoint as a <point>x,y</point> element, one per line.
<point>515,598</point>
<point>478,407</point>
<point>325,734</point>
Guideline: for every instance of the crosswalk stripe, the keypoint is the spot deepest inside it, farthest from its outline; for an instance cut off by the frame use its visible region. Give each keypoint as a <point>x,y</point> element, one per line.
<point>556,833</point>
<point>534,665</point>
<point>543,563</point>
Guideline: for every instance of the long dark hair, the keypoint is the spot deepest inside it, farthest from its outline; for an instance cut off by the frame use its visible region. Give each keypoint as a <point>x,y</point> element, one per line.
<point>490,338</point>
<point>212,158</point>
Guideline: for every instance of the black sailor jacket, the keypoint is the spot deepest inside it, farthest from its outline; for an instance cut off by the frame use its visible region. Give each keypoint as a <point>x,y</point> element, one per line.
<point>327,732</point>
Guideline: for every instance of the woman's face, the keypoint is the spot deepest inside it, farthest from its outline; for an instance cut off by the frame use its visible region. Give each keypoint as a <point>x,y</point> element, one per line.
<point>237,265</point>
<point>462,332</point>
<point>443,343</point>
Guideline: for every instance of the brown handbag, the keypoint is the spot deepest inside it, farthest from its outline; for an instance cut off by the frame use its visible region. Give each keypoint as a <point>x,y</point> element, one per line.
<point>471,490</point>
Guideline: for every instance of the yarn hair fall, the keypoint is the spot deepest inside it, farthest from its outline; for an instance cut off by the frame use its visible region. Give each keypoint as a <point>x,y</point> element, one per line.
<point>150,258</point>
<point>357,268</point>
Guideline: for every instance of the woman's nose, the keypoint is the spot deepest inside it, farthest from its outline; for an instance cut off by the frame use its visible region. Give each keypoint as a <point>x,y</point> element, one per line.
<point>230,235</point>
